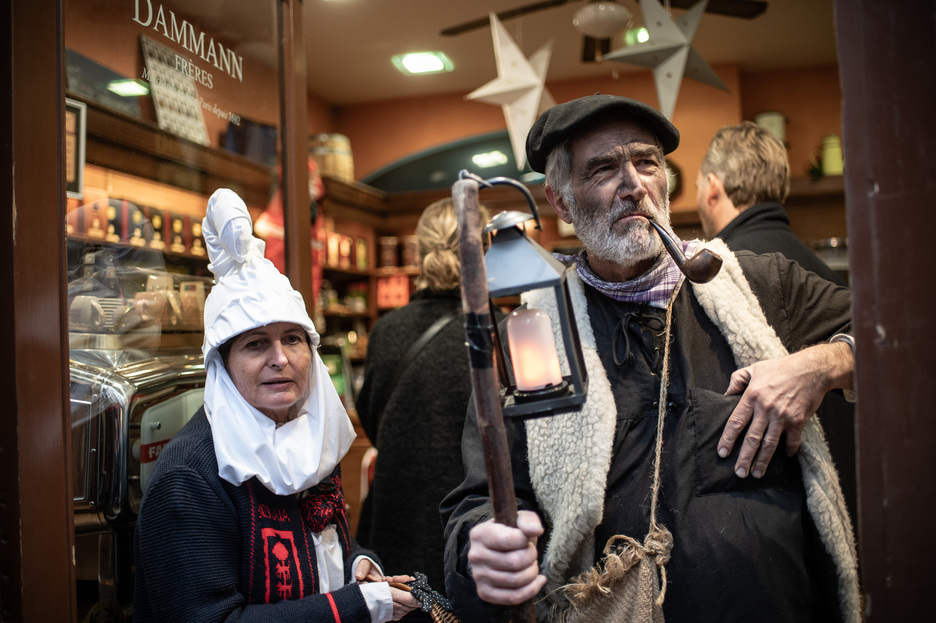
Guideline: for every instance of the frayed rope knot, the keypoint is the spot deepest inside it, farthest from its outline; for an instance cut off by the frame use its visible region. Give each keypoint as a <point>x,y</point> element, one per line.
<point>660,545</point>
<point>621,555</point>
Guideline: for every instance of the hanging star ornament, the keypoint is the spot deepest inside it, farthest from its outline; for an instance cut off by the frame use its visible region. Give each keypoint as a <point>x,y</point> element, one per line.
<point>519,89</point>
<point>669,52</point>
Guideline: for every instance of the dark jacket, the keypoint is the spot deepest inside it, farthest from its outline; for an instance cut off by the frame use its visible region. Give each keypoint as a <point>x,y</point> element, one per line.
<point>418,436</point>
<point>744,549</point>
<point>206,550</point>
<point>765,228</point>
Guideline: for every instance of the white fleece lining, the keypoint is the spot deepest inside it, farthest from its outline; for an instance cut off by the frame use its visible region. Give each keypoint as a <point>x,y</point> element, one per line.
<point>583,440</point>
<point>570,454</point>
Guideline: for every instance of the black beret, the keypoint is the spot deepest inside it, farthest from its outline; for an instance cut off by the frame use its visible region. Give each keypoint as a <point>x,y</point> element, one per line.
<point>560,121</point>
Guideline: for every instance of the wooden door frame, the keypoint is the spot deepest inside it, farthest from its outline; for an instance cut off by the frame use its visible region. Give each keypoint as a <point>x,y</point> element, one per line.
<point>888,136</point>
<point>37,574</point>
<point>38,579</point>
<point>294,149</point>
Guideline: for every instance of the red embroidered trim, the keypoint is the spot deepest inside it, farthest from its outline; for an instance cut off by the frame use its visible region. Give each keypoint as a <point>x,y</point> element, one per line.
<point>324,504</point>
<point>312,564</point>
<point>285,556</point>
<point>253,538</point>
<point>334,607</point>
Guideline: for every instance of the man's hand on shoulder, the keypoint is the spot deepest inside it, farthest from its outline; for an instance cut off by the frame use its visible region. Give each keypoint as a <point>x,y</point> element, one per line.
<point>504,560</point>
<point>779,396</point>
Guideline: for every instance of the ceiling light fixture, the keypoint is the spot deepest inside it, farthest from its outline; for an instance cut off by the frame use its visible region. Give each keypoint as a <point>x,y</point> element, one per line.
<point>422,63</point>
<point>601,20</point>
<point>490,159</point>
<point>636,35</point>
<point>128,88</point>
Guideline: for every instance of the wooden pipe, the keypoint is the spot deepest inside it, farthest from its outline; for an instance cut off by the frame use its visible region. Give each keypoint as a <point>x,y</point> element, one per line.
<point>700,268</point>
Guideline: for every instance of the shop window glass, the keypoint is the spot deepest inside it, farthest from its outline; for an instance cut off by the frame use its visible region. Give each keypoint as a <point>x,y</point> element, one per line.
<point>167,101</point>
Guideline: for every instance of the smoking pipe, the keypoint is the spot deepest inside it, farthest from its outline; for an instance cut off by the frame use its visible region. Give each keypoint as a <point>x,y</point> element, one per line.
<point>700,268</point>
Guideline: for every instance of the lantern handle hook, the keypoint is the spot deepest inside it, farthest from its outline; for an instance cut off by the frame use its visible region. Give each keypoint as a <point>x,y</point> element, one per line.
<point>494,181</point>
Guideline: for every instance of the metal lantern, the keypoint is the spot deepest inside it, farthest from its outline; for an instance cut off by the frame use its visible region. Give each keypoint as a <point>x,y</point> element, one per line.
<point>533,384</point>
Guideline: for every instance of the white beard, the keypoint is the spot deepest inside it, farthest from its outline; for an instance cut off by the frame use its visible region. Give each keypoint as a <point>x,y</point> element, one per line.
<point>626,247</point>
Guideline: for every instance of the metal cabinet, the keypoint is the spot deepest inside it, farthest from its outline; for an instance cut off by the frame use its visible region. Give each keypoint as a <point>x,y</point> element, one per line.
<point>125,406</point>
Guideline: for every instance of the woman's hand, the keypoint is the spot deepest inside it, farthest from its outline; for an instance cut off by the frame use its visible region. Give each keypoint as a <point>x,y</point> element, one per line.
<point>368,571</point>
<point>403,600</point>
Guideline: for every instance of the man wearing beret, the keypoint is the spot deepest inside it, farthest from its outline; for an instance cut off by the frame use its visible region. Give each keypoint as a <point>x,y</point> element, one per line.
<point>665,497</point>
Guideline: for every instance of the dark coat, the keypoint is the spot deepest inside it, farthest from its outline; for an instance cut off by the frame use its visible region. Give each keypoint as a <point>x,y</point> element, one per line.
<point>765,228</point>
<point>418,437</point>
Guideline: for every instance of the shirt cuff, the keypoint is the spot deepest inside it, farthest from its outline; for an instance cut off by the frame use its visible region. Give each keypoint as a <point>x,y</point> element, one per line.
<point>379,601</point>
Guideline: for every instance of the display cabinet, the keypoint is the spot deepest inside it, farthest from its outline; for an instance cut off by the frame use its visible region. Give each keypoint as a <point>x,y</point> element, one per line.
<point>176,100</point>
<point>135,321</point>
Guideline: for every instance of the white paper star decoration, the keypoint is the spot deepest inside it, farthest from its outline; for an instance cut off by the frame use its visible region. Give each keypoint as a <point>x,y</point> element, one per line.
<point>519,89</point>
<point>669,52</point>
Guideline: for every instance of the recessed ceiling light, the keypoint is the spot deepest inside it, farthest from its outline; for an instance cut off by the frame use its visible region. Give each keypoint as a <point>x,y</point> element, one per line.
<point>422,62</point>
<point>128,88</point>
<point>490,159</point>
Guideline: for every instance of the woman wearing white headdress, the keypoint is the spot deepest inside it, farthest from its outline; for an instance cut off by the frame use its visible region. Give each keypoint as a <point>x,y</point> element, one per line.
<point>244,516</point>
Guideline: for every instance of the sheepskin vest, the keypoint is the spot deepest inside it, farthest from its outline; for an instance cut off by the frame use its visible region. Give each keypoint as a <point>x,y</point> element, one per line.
<point>570,454</point>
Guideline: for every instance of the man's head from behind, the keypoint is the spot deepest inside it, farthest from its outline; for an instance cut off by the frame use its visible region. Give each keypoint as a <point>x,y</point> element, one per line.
<point>751,163</point>
<point>603,157</point>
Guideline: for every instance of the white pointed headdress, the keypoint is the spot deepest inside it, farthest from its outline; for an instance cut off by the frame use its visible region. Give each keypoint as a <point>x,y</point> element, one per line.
<point>250,292</point>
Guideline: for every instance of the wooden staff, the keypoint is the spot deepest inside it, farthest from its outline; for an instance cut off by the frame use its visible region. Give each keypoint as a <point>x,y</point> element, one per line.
<point>479,329</point>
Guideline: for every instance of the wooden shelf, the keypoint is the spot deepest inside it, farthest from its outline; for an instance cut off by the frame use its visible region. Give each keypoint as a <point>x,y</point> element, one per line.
<point>166,253</point>
<point>389,271</point>
<point>343,311</point>
<point>122,143</point>
<point>354,201</point>
<point>340,275</point>
<point>829,186</point>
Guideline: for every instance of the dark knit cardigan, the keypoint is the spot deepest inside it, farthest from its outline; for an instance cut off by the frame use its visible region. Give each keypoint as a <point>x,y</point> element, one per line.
<point>419,436</point>
<point>207,550</point>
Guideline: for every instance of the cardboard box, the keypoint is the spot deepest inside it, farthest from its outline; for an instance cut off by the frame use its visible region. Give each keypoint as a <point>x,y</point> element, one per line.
<point>95,219</point>
<point>139,229</point>
<point>198,242</point>
<point>344,251</point>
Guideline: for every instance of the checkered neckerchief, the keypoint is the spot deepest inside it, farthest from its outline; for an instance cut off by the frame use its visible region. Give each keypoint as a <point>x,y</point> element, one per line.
<point>654,288</point>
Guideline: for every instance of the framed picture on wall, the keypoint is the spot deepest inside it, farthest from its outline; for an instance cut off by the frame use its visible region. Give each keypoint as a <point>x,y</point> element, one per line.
<point>75,113</point>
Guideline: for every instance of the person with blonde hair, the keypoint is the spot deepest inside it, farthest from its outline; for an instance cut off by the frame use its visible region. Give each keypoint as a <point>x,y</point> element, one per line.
<point>413,403</point>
